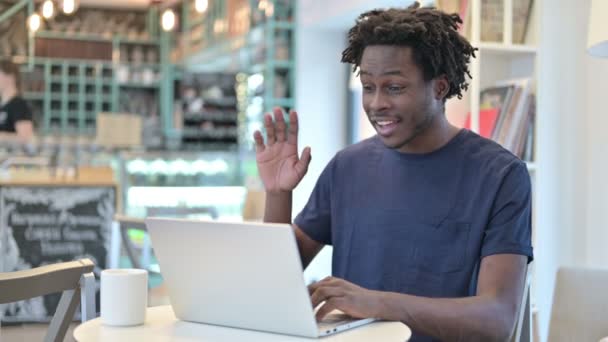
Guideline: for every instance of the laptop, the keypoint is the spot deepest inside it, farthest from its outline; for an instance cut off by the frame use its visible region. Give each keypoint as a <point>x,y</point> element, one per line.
<point>241,275</point>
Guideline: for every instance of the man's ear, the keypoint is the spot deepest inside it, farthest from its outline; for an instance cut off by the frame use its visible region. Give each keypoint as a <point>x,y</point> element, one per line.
<point>441,87</point>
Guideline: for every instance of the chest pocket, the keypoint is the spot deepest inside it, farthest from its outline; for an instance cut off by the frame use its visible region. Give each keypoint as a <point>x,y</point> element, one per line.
<point>441,247</point>
<point>393,244</point>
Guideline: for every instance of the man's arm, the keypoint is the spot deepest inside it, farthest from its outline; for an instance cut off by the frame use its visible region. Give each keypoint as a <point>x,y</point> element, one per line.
<point>281,171</point>
<point>278,207</point>
<point>24,130</point>
<point>278,210</point>
<point>488,316</point>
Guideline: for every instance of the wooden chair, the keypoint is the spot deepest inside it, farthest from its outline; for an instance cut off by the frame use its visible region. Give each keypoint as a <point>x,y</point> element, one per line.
<point>580,305</point>
<point>127,223</point>
<point>253,208</point>
<point>74,279</point>
<point>523,325</point>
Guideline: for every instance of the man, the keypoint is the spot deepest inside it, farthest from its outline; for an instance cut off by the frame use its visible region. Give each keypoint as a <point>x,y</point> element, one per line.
<point>15,115</point>
<point>430,224</point>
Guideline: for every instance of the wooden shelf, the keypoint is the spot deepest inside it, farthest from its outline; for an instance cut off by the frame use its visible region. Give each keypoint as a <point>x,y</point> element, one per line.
<point>261,67</point>
<point>486,47</point>
<point>76,97</point>
<point>33,96</point>
<point>200,134</point>
<point>153,85</point>
<point>211,116</point>
<point>87,80</point>
<point>92,37</point>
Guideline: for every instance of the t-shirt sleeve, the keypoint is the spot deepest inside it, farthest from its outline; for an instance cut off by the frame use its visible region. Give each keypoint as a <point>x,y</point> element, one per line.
<point>315,218</point>
<point>21,111</point>
<point>510,227</point>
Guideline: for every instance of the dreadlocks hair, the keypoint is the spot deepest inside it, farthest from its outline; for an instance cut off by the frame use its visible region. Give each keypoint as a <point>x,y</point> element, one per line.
<point>437,47</point>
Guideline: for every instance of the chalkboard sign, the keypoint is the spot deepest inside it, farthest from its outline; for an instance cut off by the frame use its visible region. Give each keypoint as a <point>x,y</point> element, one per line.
<point>44,225</point>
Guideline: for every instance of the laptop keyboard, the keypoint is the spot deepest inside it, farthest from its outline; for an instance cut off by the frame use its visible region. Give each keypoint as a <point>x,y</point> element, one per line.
<point>333,320</point>
<point>336,318</point>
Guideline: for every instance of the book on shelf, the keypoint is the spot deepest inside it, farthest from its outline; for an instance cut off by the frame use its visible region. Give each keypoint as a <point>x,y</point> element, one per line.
<point>528,153</point>
<point>493,103</point>
<point>487,121</point>
<point>506,116</point>
<point>492,16</point>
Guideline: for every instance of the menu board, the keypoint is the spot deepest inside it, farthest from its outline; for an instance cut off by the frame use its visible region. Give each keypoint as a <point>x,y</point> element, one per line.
<point>42,225</point>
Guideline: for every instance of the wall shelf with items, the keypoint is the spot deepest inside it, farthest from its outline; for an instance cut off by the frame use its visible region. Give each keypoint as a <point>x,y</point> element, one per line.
<point>118,61</point>
<point>94,61</point>
<point>92,37</point>
<point>88,86</point>
<point>501,100</point>
<point>175,179</point>
<point>205,111</point>
<point>253,37</point>
<point>506,48</point>
<point>500,103</point>
<point>60,92</point>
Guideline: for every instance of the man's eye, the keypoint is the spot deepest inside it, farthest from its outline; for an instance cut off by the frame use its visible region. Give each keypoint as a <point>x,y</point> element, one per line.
<point>395,89</point>
<point>368,89</point>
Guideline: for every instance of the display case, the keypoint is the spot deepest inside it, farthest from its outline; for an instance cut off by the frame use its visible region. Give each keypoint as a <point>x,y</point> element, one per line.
<point>184,180</point>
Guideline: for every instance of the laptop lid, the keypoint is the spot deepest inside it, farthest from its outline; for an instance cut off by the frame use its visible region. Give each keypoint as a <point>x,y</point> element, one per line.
<point>244,275</point>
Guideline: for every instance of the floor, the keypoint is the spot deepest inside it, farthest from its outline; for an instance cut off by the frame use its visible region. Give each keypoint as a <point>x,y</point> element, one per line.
<point>36,332</point>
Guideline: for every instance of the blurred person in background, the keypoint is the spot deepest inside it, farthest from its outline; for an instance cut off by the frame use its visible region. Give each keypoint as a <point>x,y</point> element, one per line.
<point>15,115</point>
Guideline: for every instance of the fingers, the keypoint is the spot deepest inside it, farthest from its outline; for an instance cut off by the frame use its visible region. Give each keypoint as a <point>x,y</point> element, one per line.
<point>280,125</point>
<point>325,293</point>
<point>325,281</point>
<point>292,135</point>
<point>259,142</point>
<point>270,130</point>
<point>302,164</point>
<point>329,306</point>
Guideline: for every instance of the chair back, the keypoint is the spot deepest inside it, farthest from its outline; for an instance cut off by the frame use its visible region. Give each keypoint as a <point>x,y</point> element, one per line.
<point>74,279</point>
<point>127,223</point>
<point>523,324</point>
<point>580,305</point>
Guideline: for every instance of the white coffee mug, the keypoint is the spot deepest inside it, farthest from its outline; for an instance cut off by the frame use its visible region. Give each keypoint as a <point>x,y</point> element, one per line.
<point>124,296</point>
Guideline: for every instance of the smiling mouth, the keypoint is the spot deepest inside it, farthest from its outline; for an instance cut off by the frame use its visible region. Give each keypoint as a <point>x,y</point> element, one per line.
<point>386,127</point>
<point>385,122</point>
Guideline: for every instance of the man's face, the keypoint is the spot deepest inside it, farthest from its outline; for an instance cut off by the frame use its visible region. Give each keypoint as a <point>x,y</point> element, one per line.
<point>398,102</point>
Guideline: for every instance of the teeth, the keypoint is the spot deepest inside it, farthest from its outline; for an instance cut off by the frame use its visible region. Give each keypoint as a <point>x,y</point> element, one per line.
<point>384,123</point>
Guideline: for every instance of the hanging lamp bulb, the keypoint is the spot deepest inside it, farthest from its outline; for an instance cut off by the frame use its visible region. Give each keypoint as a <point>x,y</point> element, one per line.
<point>201,5</point>
<point>48,9</point>
<point>69,6</point>
<point>34,22</point>
<point>167,20</point>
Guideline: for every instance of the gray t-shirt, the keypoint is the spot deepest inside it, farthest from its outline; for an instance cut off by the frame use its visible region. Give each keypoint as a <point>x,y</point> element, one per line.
<point>420,223</point>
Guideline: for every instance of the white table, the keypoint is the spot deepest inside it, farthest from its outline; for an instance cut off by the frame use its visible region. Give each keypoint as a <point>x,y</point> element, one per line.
<point>161,325</point>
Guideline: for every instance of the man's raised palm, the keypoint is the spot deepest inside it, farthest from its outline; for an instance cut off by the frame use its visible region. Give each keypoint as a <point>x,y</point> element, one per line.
<point>278,162</point>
